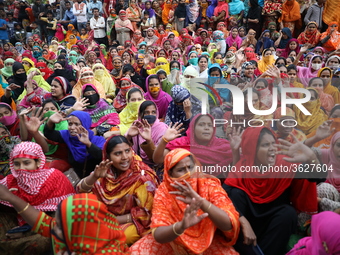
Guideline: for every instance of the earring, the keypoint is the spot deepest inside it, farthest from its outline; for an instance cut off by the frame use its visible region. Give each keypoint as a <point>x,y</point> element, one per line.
<point>324,244</point>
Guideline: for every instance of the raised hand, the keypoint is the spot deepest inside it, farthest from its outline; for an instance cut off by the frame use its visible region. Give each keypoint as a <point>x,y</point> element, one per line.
<point>235,138</point>
<point>145,130</point>
<point>101,170</point>
<point>173,131</point>
<point>298,152</point>
<point>12,87</point>
<point>35,121</point>
<point>324,130</point>
<point>304,48</point>
<point>190,217</point>
<point>133,130</point>
<point>81,104</point>
<point>185,191</point>
<point>187,105</point>
<point>57,118</point>
<point>83,136</point>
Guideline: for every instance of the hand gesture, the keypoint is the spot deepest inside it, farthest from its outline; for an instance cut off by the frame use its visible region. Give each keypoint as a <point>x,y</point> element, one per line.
<point>185,191</point>
<point>81,104</point>
<point>12,87</point>
<point>133,130</point>
<point>57,118</point>
<point>83,136</point>
<point>31,75</point>
<point>35,121</point>
<point>187,105</point>
<point>146,60</point>
<point>235,138</point>
<point>101,170</point>
<point>273,71</point>
<point>324,130</point>
<point>145,130</point>
<point>190,217</point>
<point>76,67</point>
<point>249,236</point>
<point>304,48</point>
<point>297,152</point>
<point>173,132</point>
<point>239,55</point>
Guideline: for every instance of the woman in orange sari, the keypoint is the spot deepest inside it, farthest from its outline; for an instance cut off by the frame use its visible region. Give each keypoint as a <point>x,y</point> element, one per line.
<point>290,16</point>
<point>330,40</point>
<point>189,207</point>
<point>311,35</point>
<point>133,13</point>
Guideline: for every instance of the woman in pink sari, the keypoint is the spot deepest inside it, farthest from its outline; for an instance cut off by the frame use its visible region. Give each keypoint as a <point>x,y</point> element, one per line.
<point>234,40</point>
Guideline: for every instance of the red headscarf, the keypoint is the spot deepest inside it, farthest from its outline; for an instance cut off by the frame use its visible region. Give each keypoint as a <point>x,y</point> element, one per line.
<point>45,70</point>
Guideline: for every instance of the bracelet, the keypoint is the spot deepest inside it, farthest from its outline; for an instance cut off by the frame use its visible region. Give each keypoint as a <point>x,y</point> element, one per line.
<point>165,139</point>
<point>208,207</point>
<point>128,218</point>
<point>174,230</point>
<point>23,210</point>
<point>87,184</point>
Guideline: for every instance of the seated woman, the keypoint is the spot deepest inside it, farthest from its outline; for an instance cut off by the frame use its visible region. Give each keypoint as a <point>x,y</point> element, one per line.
<point>125,84</point>
<point>183,107</point>
<point>327,74</point>
<point>102,113</point>
<point>67,230</point>
<point>35,184</point>
<point>10,119</point>
<point>324,238</point>
<point>7,143</point>
<point>85,149</point>
<point>157,95</point>
<point>311,35</point>
<point>102,75</point>
<point>266,214</point>
<point>130,113</point>
<point>59,70</point>
<point>146,133</point>
<point>191,213</point>
<point>309,123</point>
<point>327,101</point>
<point>261,85</point>
<point>19,77</point>
<point>200,140</point>
<point>125,185</point>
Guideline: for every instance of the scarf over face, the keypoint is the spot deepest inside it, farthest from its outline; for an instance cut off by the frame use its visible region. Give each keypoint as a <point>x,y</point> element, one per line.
<point>167,209</point>
<point>36,187</point>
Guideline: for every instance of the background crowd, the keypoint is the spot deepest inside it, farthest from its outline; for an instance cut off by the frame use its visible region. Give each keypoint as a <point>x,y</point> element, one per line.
<point>103,145</point>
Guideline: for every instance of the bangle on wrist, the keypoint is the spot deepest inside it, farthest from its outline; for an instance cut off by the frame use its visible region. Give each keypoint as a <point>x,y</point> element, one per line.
<point>23,210</point>
<point>174,229</point>
<point>165,139</point>
<point>89,186</point>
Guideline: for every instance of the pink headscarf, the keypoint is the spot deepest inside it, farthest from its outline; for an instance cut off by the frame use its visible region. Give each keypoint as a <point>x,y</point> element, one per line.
<point>230,40</point>
<point>305,73</point>
<point>325,237</point>
<point>287,50</point>
<point>331,160</point>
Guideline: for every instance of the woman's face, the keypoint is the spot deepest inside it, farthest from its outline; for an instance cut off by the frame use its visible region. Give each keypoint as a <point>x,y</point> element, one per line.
<point>114,52</point>
<point>218,57</point>
<point>266,151</point>
<point>241,32</point>
<point>153,84</point>
<point>317,84</point>
<point>266,35</point>
<point>333,62</point>
<point>292,45</point>
<point>193,55</point>
<point>135,97</point>
<point>167,45</point>
<point>326,76</point>
<point>3,132</point>
<point>117,63</point>
<point>204,130</point>
<point>289,61</point>
<point>267,53</point>
<point>20,71</point>
<point>175,56</point>
<point>313,96</point>
<point>162,54</point>
<point>292,75</point>
<point>284,35</point>
<point>260,85</point>
<point>318,52</point>
<point>80,65</point>
<point>6,47</point>
<point>150,33</point>
<point>121,157</point>
<point>25,63</point>
<point>183,167</point>
<point>249,71</point>
<point>56,90</point>
<point>57,66</point>
<point>292,54</point>
<point>280,62</point>
<point>45,47</point>
<point>285,130</point>
<point>73,124</point>
<point>203,64</point>
<point>4,112</point>
<point>87,77</point>
<point>126,56</point>
<point>311,28</point>
<point>174,65</point>
<point>50,107</point>
<point>234,33</point>
<point>124,84</point>
<point>150,110</point>
<point>26,164</point>
<point>283,69</point>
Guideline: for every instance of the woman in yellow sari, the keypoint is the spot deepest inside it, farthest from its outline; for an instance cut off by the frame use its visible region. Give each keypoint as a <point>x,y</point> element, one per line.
<point>191,213</point>
<point>103,77</point>
<point>309,123</point>
<point>266,61</point>
<point>327,74</point>
<point>125,185</point>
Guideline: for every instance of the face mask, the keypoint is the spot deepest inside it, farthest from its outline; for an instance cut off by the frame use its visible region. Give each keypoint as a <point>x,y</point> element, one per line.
<point>73,59</point>
<point>154,89</point>
<point>21,76</point>
<point>150,119</point>
<point>26,68</point>
<point>219,61</point>
<point>86,80</point>
<point>180,107</point>
<point>186,81</point>
<point>335,67</point>
<point>163,80</point>
<point>316,66</point>
<point>113,15</point>
<point>37,54</point>
<point>183,177</point>
<point>92,99</point>
<point>9,120</point>
<point>48,114</point>
<point>193,61</point>
<point>271,30</point>
<point>134,106</point>
<point>99,72</point>
<point>141,51</point>
<point>175,69</point>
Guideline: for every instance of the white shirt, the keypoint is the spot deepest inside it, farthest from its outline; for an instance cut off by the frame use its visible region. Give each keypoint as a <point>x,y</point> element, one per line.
<point>99,23</point>
<point>80,14</point>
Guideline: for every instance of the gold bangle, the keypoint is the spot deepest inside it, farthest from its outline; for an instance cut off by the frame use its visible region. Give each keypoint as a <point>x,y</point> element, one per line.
<point>208,207</point>
<point>87,184</point>
<point>165,139</point>
<point>128,218</point>
<point>174,230</point>
<point>23,210</point>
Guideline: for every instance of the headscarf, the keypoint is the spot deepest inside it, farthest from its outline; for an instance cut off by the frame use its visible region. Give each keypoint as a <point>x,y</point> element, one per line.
<point>165,67</point>
<point>287,50</point>
<point>193,11</point>
<point>97,228</point>
<point>230,40</point>
<point>168,210</point>
<point>77,148</point>
<point>180,11</point>
<point>266,187</point>
<point>329,88</point>
<point>123,23</point>
<point>217,36</point>
<point>18,79</point>
<point>37,54</point>
<point>305,73</point>
<point>162,101</point>
<point>29,61</point>
<point>265,62</point>
<point>290,11</point>
<point>325,238</point>
<point>221,6</point>
<point>334,41</point>
<point>47,72</point>
<point>211,8</point>
<point>284,42</point>
<point>36,187</point>
<point>101,112</point>
<point>7,71</point>
<point>235,7</point>
<point>104,78</point>
<point>312,38</point>
<point>308,123</point>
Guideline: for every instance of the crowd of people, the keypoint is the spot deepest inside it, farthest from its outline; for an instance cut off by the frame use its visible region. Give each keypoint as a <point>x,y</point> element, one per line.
<point>107,146</point>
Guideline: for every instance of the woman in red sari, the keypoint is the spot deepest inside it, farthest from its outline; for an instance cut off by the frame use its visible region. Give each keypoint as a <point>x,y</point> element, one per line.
<point>311,35</point>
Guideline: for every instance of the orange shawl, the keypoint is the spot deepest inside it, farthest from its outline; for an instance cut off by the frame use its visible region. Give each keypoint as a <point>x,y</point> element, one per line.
<point>290,11</point>
<point>326,143</point>
<point>167,209</point>
<point>334,42</point>
<point>165,13</point>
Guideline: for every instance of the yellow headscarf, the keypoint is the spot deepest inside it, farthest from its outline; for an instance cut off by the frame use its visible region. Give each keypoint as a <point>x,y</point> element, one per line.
<point>308,123</point>
<point>29,61</point>
<point>329,88</point>
<point>265,62</point>
<point>165,67</point>
<point>103,77</point>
